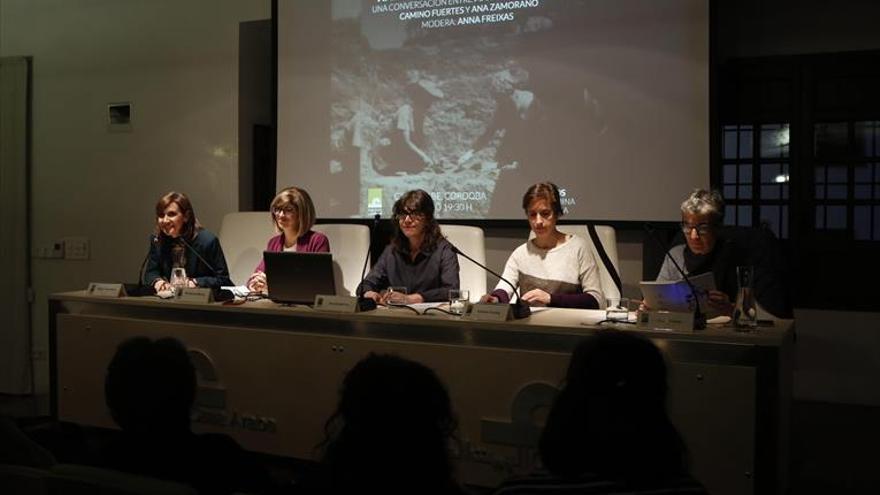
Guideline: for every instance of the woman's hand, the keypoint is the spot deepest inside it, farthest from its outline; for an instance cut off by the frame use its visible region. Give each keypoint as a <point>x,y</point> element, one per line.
<point>160,285</point>
<point>257,282</point>
<point>191,283</point>
<point>374,296</point>
<point>488,298</point>
<point>536,297</point>
<point>388,297</point>
<point>414,298</point>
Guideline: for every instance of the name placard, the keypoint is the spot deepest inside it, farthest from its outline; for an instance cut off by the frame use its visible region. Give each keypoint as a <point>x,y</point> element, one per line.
<point>488,312</point>
<point>201,295</point>
<point>99,289</point>
<point>666,320</point>
<point>336,304</point>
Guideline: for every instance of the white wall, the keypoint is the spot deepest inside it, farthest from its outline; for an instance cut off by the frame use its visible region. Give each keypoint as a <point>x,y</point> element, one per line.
<point>177,62</point>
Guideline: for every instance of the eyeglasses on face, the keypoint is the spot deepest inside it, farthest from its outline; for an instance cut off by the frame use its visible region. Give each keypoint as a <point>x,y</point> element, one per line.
<point>701,228</point>
<point>284,210</point>
<point>413,215</point>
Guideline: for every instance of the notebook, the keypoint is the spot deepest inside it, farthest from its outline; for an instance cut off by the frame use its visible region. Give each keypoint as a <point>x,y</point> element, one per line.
<point>298,277</point>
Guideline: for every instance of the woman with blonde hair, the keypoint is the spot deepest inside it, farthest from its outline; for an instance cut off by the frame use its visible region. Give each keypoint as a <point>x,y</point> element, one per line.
<point>293,215</point>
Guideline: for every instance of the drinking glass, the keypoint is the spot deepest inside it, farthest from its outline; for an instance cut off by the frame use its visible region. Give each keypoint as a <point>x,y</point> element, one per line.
<point>396,296</point>
<point>178,280</point>
<point>458,300</point>
<point>745,314</point>
<point>617,308</point>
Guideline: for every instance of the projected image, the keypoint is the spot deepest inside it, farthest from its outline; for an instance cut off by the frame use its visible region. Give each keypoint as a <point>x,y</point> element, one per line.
<point>475,100</point>
<point>460,116</point>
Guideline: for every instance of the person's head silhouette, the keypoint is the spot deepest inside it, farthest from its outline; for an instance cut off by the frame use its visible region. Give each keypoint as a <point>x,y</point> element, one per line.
<point>610,416</point>
<point>150,386</point>
<point>391,429</point>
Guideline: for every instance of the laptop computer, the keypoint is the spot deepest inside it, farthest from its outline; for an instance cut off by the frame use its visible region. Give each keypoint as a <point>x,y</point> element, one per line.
<point>298,277</point>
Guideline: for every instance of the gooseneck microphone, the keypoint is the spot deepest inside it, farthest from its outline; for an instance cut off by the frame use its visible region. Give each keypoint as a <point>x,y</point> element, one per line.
<point>199,256</point>
<point>365,303</point>
<point>219,294</point>
<point>142,287</point>
<point>154,240</point>
<point>520,308</point>
<point>699,316</point>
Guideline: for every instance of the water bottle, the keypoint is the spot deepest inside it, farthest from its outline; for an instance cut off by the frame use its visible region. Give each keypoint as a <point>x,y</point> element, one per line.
<point>745,314</point>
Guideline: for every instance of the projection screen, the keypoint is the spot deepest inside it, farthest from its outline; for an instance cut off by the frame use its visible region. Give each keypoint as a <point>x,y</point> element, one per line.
<point>473,101</point>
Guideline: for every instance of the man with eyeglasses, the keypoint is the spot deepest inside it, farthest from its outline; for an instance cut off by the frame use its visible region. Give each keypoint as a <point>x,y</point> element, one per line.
<point>711,248</point>
<point>701,217</point>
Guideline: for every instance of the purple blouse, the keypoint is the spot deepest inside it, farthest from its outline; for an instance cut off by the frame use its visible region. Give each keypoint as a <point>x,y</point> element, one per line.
<point>310,242</point>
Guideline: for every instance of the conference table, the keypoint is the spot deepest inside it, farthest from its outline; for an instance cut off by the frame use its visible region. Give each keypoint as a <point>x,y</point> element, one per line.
<point>269,376</point>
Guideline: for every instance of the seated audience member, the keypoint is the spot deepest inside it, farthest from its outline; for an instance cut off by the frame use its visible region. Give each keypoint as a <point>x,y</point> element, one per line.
<point>553,269</point>
<point>293,215</point>
<point>178,242</point>
<point>16,448</point>
<point>391,432</point>
<point>608,430</point>
<point>150,389</point>
<point>418,258</point>
<point>711,248</point>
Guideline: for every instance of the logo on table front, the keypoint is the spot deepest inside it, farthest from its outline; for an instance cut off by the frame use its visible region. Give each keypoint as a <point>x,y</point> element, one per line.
<point>522,431</point>
<point>210,407</point>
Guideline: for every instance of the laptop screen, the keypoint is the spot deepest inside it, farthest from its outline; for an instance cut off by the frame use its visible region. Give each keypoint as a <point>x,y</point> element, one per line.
<point>298,277</point>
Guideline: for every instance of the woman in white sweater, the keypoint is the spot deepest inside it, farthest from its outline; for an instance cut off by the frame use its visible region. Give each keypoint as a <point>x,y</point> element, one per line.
<point>553,268</point>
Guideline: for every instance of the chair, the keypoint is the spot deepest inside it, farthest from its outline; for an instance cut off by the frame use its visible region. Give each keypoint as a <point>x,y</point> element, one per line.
<point>72,479</point>
<point>244,235</point>
<point>471,241</point>
<point>349,244</point>
<point>608,238</point>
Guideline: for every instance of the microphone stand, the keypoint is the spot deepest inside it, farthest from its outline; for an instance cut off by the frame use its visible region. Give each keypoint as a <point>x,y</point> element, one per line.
<point>699,316</point>
<point>141,288</point>
<point>365,303</point>
<point>520,308</point>
<point>218,292</point>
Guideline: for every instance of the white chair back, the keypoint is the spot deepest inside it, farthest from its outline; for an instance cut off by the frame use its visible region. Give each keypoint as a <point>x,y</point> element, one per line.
<point>349,244</point>
<point>471,241</point>
<point>244,235</point>
<point>608,238</point>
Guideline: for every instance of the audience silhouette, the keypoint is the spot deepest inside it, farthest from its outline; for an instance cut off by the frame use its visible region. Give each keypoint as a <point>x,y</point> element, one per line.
<point>150,389</point>
<point>18,449</point>
<point>608,430</point>
<point>390,434</point>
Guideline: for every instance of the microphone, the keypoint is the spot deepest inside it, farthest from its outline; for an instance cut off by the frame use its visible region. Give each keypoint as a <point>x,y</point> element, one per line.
<point>365,303</point>
<point>520,308</point>
<point>699,316</point>
<point>154,240</point>
<point>219,294</point>
<point>199,256</point>
<point>141,288</point>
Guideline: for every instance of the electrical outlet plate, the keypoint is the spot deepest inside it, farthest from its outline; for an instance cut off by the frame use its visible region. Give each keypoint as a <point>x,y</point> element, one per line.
<point>76,248</point>
<point>48,251</point>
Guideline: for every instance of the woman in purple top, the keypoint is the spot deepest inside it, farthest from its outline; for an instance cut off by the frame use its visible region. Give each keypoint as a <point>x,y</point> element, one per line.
<point>293,214</point>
